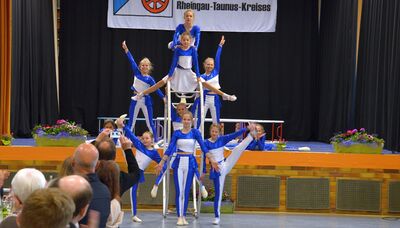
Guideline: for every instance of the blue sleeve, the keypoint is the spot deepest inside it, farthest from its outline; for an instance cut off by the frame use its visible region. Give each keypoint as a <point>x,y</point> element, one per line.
<point>174,63</point>
<point>156,156</point>
<point>261,143</point>
<point>204,164</point>
<point>200,140</point>
<point>195,62</point>
<point>197,37</point>
<point>172,145</point>
<point>175,39</point>
<point>135,140</point>
<point>217,59</point>
<point>158,91</point>
<point>174,115</point>
<point>227,138</point>
<point>135,68</point>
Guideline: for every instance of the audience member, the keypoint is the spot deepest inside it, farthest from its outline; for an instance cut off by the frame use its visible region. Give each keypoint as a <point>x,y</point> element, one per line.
<point>84,162</point>
<point>66,168</point>
<point>78,188</point>
<point>46,208</point>
<point>107,151</point>
<point>23,184</point>
<point>108,172</point>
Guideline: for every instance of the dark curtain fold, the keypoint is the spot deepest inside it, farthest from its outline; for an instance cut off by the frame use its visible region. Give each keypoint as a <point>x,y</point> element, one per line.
<point>336,67</point>
<point>34,97</point>
<point>272,74</point>
<point>378,82</point>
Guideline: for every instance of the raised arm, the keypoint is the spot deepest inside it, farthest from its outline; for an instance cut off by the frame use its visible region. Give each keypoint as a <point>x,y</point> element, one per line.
<point>135,140</point>
<point>134,66</point>
<point>218,55</point>
<point>227,138</point>
<point>197,37</point>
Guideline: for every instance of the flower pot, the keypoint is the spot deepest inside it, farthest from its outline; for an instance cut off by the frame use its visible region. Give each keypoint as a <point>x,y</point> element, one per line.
<point>51,140</point>
<point>358,148</point>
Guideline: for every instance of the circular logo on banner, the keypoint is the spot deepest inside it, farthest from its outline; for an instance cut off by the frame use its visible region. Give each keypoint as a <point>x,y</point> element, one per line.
<point>155,6</point>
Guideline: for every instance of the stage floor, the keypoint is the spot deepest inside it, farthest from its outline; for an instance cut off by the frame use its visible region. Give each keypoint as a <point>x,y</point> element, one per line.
<point>293,145</point>
<point>282,220</point>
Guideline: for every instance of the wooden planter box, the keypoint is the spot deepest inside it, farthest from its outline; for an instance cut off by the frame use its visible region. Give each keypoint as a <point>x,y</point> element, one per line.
<point>358,148</point>
<point>70,141</point>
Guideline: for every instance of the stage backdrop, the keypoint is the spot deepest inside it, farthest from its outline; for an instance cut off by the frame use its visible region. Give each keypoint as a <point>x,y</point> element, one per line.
<point>219,15</point>
<point>272,74</point>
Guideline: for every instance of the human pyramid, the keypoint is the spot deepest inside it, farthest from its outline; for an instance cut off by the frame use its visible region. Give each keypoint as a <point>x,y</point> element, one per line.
<point>181,148</point>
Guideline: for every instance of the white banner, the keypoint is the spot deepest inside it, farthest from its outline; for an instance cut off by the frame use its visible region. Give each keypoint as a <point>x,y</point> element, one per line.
<point>218,15</point>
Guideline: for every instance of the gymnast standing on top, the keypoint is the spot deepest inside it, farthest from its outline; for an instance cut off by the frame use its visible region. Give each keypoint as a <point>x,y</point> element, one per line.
<point>181,76</point>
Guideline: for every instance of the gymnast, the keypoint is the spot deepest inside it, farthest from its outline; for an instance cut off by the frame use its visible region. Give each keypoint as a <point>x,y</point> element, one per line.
<point>183,142</point>
<point>145,153</point>
<point>189,26</point>
<point>142,80</point>
<point>215,145</point>
<point>211,99</point>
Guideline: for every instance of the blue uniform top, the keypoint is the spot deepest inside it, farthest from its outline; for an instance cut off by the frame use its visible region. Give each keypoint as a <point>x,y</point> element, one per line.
<point>181,142</point>
<point>217,147</point>
<point>183,56</point>
<point>142,161</point>
<point>144,81</point>
<point>257,144</point>
<point>213,76</point>
<point>194,32</point>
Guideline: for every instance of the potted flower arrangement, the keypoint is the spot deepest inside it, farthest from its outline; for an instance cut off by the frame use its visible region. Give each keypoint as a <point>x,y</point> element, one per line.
<point>207,206</point>
<point>63,133</point>
<point>5,140</point>
<point>357,141</point>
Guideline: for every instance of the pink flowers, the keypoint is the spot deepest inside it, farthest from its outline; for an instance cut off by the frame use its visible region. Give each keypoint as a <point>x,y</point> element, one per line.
<point>59,122</point>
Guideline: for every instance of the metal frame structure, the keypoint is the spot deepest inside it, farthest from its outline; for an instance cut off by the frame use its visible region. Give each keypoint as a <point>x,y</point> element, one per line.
<point>167,129</point>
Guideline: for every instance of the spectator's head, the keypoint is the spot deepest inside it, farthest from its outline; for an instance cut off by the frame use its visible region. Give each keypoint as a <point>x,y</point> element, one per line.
<point>85,159</point>
<point>107,149</point>
<point>66,167</point>
<point>49,207</point>
<point>108,172</point>
<point>79,189</point>
<point>24,183</point>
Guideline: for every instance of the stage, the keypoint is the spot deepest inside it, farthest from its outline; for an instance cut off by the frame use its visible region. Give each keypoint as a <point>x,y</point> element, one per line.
<point>315,181</point>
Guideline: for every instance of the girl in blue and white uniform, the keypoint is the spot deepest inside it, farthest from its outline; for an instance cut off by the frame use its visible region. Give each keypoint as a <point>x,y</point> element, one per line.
<point>215,146</point>
<point>181,76</point>
<point>212,101</point>
<point>177,124</point>
<point>145,154</point>
<point>258,142</point>
<point>189,26</point>
<point>142,81</point>
<point>183,142</point>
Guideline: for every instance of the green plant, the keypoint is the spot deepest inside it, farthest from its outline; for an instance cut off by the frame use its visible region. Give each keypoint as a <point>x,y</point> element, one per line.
<point>5,139</point>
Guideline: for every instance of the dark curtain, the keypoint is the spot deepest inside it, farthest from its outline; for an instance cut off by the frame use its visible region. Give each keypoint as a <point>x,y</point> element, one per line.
<point>272,74</point>
<point>336,67</point>
<point>33,90</point>
<point>378,82</point>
